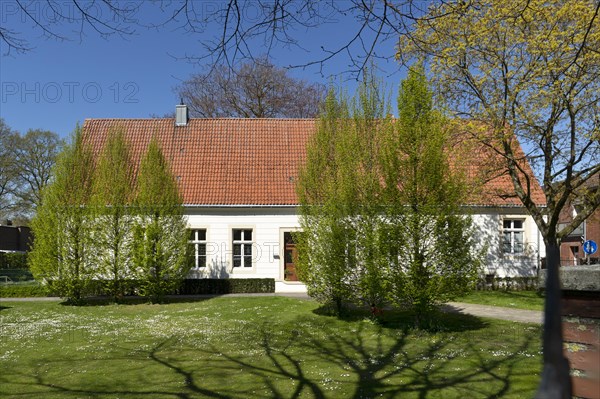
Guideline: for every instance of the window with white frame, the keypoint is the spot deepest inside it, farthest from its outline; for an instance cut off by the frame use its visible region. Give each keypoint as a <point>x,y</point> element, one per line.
<point>513,236</point>
<point>242,247</point>
<point>197,242</point>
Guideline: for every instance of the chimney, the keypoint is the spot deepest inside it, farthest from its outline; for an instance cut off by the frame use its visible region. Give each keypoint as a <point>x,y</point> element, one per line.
<point>181,114</point>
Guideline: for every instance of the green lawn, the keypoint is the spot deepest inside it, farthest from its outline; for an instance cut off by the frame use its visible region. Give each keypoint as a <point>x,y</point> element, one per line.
<point>530,300</point>
<point>257,347</point>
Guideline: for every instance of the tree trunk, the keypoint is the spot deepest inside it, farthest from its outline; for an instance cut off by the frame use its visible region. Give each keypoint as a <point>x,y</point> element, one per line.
<point>556,381</point>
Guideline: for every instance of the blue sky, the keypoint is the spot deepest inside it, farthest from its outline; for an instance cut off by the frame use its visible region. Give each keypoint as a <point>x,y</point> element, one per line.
<point>60,83</point>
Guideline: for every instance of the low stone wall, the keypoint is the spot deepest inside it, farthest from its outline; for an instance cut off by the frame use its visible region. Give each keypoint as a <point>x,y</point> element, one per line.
<point>581,327</point>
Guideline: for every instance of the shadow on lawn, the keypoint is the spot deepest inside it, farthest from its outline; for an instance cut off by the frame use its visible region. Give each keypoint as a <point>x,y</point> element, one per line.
<point>321,360</point>
<point>136,300</point>
<point>389,366</point>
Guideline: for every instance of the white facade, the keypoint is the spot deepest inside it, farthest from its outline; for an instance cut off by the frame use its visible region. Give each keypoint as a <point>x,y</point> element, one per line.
<point>499,261</point>
<point>505,258</point>
<point>268,225</point>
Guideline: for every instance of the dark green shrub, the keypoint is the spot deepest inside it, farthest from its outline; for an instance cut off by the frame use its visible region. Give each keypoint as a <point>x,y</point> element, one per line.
<point>227,286</point>
<point>494,283</point>
<point>15,275</point>
<point>24,290</point>
<point>13,260</point>
<point>188,287</point>
<point>99,288</point>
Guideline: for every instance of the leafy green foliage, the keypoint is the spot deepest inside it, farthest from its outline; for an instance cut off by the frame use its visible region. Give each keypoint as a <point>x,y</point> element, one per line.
<point>159,236</point>
<point>23,290</point>
<point>13,260</point>
<point>219,286</point>
<point>112,217</point>
<point>63,244</point>
<point>436,261</point>
<point>15,275</point>
<point>380,204</point>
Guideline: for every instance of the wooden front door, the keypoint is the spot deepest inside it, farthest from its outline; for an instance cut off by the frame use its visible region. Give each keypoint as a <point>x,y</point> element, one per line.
<point>290,257</point>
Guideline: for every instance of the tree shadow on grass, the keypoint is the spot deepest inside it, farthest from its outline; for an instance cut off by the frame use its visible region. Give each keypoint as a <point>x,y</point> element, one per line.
<point>39,383</point>
<point>134,300</point>
<point>376,361</point>
<point>436,321</point>
<point>318,357</point>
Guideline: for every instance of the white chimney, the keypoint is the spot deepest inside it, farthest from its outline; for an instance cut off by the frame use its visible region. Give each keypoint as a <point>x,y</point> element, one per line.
<point>181,115</point>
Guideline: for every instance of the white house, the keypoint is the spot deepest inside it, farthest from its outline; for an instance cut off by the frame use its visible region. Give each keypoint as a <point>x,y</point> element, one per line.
<point>237,178</point>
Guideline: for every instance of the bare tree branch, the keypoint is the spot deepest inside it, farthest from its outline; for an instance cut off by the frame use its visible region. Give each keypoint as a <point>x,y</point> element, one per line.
<point>51,18</point>
<point>256,89</point>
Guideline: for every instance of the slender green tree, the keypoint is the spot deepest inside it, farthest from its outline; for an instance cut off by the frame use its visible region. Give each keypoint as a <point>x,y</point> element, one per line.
<point>339,189</point>
<point>323,262</point>
<point>159,240</point>
<point>432,239</point>
<point>381,204</point>
<point>112,196</point>
<point>62,251</point>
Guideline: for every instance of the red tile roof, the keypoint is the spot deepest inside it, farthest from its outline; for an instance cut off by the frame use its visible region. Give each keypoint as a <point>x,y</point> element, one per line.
<point>254,161</point>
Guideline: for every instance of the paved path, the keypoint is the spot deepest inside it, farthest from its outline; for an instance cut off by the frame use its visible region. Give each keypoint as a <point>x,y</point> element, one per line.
<point>496,312</point>
<point>493,312</point>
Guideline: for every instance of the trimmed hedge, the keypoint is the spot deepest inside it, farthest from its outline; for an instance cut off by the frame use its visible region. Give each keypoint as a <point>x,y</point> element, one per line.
<point>214,286</point>
<point>210,286</point>
<point>13,260</point>
<point>15,275</point>
<point>26,290</point>
<point>493,283</point>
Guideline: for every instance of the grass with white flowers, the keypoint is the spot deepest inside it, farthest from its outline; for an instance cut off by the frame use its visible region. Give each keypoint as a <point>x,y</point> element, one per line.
<point>257,347</point>
<point>529,300</point>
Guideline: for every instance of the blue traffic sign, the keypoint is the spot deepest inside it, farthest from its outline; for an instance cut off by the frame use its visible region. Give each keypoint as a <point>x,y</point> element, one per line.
<point>589,247</point>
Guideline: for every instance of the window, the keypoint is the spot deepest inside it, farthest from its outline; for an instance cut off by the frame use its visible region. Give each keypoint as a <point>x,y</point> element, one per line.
<point>242,247</point>
<point>513,236</point>
<point>197,242</point>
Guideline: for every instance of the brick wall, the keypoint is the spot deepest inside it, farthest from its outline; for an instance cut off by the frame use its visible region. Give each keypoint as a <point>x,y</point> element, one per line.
<point>581,328</point>
<point>581,334</point>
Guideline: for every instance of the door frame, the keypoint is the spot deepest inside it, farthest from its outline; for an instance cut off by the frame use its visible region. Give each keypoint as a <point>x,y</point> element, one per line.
<point>282,231</point>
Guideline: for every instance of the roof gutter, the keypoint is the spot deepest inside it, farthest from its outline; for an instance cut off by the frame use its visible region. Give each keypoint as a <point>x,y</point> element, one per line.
<point>200,206</point>
<point>238,206</point>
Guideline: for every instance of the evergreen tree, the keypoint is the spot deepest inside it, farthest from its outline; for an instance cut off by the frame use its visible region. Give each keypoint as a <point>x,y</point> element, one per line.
<point>112,194</point>
<point>160,239</point>
<point>62,252</point>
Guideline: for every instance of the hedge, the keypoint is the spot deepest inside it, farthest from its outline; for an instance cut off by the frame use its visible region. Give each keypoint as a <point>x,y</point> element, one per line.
<point>15,275</point>
<point>195,287</point>
<point>494,283</point>
<point>26,290</point>
<point>214,286</point>
<point>13,260</point>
